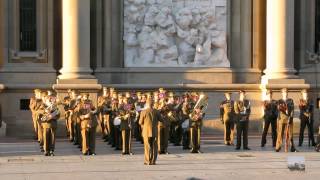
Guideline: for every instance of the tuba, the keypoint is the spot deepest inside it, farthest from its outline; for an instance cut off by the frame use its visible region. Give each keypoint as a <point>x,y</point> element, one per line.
<point>201,104</point>
<point>51,112</point>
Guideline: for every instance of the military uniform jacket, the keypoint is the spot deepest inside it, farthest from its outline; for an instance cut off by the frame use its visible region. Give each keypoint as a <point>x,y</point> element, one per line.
<point>104,105</point>
<point>242,110</point>
<point>286,110</point>
<point>149,121</point>
<point>270,110</point>
<point>126,114</point>
<point>51,123</point>
<point>87,114</point>
<point>227,111</point>
<point>306,109</point>
<point>32,104</point>
<point>163,112</point>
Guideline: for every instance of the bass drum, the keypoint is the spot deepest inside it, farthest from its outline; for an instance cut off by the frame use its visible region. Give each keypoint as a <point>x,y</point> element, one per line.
<point>185,124</point>
<point>117,121</point>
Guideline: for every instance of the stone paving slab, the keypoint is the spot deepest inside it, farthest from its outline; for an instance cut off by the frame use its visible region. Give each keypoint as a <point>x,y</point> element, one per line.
<point>21,159</point>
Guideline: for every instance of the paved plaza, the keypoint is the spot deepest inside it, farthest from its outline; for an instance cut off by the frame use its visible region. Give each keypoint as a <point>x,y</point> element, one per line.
<point>21,159</point>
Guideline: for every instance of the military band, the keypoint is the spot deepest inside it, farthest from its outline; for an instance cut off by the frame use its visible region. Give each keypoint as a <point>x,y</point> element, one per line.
<point>122,116</point>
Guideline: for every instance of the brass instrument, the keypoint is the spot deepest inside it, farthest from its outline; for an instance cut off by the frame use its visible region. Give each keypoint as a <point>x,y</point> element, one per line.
<point>51,112</point>
<point>201,104</point>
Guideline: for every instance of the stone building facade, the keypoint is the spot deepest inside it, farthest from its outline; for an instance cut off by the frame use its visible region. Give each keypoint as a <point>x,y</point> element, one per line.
<point>87,44</point>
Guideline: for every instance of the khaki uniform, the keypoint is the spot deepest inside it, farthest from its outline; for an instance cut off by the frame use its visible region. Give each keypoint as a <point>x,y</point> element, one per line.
<point>33,112</point>
<point>88,124</point>
<point>49,126</point>
<point>227,118</point>
<point>186,111</point>
<point>66,103</point>
<point>39,110</point>
<point>242,111</point>
<point>137,128</point>
<point>163,129</point>
<point>126,113</point>
<point>72,123</point>
<point>195,131</point>
<point>285,124</point>
<point>149,121</point>
<point>104,106</point>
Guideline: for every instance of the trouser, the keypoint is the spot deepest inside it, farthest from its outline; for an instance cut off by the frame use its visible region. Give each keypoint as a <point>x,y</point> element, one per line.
<point>112,131</point>
<point>106,125</point>
<point>126,141</point>
<point>177,136</point>
<point>171,132</point>
<point>88,140</point>
<point>267,123</point>
<point>40,133</point>
<point>242,132</point>
<point>186,138</point>
<point>49,135</point>
<point>117,137</point>
<point>309,124</point>
<point>150,150</point>
<point>228,132</point>
<point>195,138</point>
<point>137,131</point>
<point>35,124</point>
<point>163,138</point>
<point>67,115</point>
<point>71,128</point>
<point>285,130</point>
<point>78,136</point>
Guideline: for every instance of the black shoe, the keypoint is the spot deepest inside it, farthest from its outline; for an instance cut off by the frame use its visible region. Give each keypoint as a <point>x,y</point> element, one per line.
<point>85,153</point>
<point>51,153</point>
<point>46,154</point>
<point>92,154</point>
<point>193,151</point>
<point>314,144</point>
<point>294,150</point>
<point>246,148</point>
<point>237,148</point>
<point>262,145</point>
<point>300,145</point>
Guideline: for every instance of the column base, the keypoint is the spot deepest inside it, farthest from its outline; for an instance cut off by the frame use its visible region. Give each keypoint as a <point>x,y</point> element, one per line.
<point>290,83</point>
<point>79,84</point>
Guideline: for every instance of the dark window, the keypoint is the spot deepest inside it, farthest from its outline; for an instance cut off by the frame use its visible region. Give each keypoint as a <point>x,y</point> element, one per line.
<point>28,24</point>
<point>24,104</point>
<point>317,42</point>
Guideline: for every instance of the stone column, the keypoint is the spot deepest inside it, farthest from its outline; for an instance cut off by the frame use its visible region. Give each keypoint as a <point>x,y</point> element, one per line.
<point>259,33</point>
<point>246,34</point>
<point>280,40</point>
<point>76,40</point>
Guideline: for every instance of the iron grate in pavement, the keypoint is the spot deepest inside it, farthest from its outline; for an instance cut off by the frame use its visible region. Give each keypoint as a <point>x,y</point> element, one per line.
<point>19,160</point>
<point>245,155</point>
